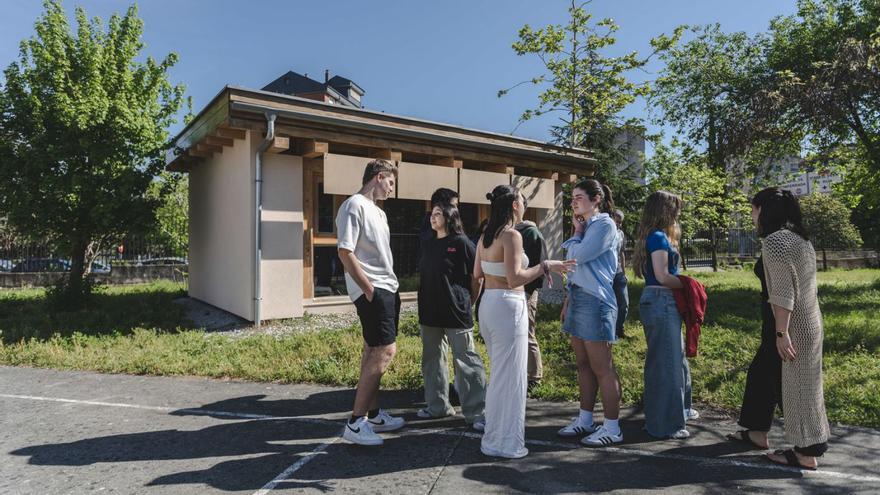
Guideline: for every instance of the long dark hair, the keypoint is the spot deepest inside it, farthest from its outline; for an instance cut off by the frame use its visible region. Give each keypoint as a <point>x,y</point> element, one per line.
<point>780,209</point>
<point>452,217</point>
<point>593,188</point>
<point>501,215</point>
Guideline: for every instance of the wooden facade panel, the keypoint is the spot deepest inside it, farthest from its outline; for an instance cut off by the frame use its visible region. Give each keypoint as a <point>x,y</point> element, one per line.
<point>419,181</point>
<point>343,173</point>
<point>540,193</point>
<point>474,184</point>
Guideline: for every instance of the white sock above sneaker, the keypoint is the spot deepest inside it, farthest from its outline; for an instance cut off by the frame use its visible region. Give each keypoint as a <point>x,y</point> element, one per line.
<point>612,426</point>
<point>585,417</point>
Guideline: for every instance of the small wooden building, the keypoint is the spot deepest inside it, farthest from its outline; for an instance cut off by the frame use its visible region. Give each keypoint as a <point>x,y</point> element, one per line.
<point>267,172</point>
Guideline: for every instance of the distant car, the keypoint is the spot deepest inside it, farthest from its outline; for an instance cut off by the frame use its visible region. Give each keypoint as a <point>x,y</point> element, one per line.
<point>162,261</point>
<point>6,265</point>
<point>100,268</point>
<point>34,265</point>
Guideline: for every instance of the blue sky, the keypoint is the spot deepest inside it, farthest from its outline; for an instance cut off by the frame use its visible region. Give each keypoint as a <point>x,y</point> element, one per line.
<point>434,60</point>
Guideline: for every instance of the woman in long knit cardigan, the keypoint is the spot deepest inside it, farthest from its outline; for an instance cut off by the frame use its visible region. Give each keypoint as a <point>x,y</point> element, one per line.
<point>791,308</point>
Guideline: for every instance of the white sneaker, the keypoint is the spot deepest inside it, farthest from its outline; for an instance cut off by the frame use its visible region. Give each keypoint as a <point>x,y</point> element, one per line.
<point>602,437</point>
<point>576,428</point>
<point>361,433</point>
<point>479,424</point>
<point>681,434</point>
<point>386,422</point>
<point>691,414</point>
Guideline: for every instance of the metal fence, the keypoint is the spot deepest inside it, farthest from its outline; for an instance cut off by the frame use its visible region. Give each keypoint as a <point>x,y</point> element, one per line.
<point>29,256</point>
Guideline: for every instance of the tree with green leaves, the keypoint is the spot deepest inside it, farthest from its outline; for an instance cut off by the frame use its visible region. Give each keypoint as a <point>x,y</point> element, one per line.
<point>83,130</point>
<point>171,229</point>
<point>709,205</point>
<point>587,89</point>
<point>827,219</point>
<point>826,65</point>
<point>707,91</point>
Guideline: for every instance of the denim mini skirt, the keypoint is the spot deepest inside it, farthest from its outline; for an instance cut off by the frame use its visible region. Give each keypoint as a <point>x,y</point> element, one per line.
<point>588,318</point>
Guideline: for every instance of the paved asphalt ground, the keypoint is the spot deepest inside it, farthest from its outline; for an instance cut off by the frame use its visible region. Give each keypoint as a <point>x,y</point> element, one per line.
<point>75,432</point>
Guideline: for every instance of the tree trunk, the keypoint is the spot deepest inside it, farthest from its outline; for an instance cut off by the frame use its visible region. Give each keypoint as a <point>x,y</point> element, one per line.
<point>824,260</point>
<point>714,250</point>
<point>77,269</point>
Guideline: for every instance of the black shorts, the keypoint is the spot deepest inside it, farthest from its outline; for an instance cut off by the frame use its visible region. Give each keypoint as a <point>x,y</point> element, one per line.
<point>379,317</point>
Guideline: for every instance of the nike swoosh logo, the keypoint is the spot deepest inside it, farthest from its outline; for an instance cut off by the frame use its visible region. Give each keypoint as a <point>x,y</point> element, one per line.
<point>379,423</point>
<point>352,429</point>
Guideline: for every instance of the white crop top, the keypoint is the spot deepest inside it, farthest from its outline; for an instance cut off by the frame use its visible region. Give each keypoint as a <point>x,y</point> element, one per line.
<point>496,268</point>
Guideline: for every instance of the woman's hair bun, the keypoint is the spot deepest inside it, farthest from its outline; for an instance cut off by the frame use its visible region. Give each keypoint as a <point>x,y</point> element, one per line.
<point>489,196</point>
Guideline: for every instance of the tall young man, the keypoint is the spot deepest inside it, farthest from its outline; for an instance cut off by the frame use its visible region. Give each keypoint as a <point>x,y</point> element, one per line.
<point>536,249</point>
<point>365,250</point>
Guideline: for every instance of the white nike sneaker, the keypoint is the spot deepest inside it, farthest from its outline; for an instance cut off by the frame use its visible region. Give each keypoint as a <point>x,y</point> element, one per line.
<point>386,422</point>
<point>691,414</point>
<point>361,433</point>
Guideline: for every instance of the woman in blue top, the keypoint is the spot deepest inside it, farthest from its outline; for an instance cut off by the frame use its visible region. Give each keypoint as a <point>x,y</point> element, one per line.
<point>589,312</point>
<point>667,396</point>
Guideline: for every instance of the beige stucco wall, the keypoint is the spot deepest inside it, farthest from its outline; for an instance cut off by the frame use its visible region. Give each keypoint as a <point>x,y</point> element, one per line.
<point>221,229</point>
<point>281,276</point>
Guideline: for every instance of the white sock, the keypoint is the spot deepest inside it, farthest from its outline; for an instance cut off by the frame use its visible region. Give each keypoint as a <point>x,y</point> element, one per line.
<point>612,426</point>
<point>586,417</point>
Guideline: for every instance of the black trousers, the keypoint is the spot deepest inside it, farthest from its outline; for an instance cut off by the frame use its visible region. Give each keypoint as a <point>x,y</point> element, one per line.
<point>764,392</point>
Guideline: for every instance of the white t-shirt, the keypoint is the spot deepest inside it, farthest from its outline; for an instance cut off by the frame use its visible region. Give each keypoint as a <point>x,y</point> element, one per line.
<point>362,228</point>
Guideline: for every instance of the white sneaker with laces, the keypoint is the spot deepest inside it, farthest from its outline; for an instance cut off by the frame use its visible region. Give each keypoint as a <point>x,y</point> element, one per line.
<point>479,424</point>
<point>576,428</point>
<point>691,414</point>
<point>681,434</point>
<point>602,437</point>
<point>386,422</point>
<point>361,433</point>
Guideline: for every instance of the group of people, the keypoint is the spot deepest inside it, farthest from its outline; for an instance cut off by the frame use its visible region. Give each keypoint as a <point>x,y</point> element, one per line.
<point>501,275</point>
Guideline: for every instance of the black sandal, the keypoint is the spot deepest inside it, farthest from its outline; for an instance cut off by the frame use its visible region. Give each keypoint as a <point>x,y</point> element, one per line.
<point>790,460</point>
<point>743,436</point>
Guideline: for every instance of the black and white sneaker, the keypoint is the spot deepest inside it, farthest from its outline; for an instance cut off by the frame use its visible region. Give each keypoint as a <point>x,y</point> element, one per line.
<point>602,437</point>
<point>576,428</point>
<point>386,422</point>
<point>361,432</point>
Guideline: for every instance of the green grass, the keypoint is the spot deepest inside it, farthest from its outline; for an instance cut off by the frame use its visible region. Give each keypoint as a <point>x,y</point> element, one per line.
<point>136,329</point>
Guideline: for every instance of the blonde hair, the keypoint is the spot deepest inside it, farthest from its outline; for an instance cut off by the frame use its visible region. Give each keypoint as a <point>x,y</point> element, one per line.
<point>661,213</point>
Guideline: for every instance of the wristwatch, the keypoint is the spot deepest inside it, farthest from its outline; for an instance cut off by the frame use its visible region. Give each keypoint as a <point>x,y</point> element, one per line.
<point>780,333</point>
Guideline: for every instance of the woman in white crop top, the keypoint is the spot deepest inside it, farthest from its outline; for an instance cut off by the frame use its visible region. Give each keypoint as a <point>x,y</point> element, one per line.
<point>503,266</point>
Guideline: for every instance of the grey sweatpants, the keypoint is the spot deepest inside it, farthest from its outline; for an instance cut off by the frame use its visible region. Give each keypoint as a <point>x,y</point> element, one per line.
<point>470,376</point>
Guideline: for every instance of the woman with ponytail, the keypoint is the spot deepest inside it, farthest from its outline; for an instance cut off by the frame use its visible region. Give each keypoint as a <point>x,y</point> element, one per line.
<point>589,312</point>
<point>504,323</point>
<point>667,396</point>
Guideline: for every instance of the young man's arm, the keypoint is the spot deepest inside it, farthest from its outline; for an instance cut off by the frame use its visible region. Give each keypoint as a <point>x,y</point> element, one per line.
<point>353,267</point>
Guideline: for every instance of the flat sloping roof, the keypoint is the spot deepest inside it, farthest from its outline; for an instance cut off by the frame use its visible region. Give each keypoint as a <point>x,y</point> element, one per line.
<point>243,107</point>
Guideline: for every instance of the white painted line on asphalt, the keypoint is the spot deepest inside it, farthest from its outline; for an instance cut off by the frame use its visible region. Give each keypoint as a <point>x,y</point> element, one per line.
<point>708,461</point>
<point>287,473</point>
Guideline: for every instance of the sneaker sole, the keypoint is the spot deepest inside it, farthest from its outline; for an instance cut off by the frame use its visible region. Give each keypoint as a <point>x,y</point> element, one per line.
<point>600,444</point>
<point>369,443</point>
<point>386,428</point>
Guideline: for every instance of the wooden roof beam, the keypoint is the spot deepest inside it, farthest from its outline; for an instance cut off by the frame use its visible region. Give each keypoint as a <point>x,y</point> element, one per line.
<point>447,161</point>
<point>387,154</point>
<point>279,144</point>
<point>311,148</point>
<point>231,132</point>
<point>219,141</point>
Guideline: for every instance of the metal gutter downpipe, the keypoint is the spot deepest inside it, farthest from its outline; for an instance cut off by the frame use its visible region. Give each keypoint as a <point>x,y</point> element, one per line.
<point>258,212</point>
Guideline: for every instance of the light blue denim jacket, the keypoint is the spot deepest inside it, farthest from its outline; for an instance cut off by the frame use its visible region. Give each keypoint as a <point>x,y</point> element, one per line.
<point>596,254</point>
